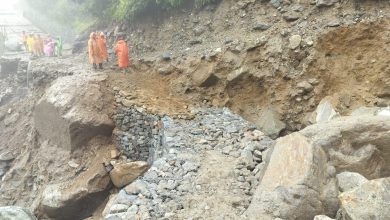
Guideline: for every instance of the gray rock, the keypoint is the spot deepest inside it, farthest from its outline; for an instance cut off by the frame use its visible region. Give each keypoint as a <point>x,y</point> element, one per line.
<point>292,187</point>
<point>322,3</point>
<point>118,208</point>
<point>276,3</point>
<point>269,123</point>
<point>291,16</point>
<point>349,142</point>
<point>132,212</point>
<point>6,157</point>
<point>294,42</point>
<point>322,217</point>
<point>167,56</point>
<point>369,201</point>
<point>136,188</point>
<point>306,86</point>
<point>16,213</point>
<point>261,27</point>
<point>325,112</point>
<point>349,180</point>
<point>190,167</point>
<point>334,23</point>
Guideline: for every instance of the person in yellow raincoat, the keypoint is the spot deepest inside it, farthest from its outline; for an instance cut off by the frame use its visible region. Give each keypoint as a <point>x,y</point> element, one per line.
<point>94,53</point>
<point>30,43</point>
<point>102,43</point>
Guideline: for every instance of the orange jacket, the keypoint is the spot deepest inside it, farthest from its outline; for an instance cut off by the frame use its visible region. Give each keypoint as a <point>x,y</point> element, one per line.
<point>93,50</point>
<point>122,52</point>
<point>102,44</point>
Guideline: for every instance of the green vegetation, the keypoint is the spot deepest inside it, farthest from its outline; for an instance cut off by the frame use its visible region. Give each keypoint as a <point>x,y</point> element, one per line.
<point>83,13</point>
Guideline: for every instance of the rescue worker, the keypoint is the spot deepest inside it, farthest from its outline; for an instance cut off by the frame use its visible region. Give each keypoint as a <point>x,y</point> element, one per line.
<point>30,43</point>
<point>49,46</point>
<point>102,43</point>
<point>24,40</point>
<point>58,48</point>
<point>122,52</point>
<point>94,53</point>
<point>36,46</point>
<point>40,45</point>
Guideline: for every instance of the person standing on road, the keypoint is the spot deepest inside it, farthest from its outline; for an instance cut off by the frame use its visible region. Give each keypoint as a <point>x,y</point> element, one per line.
<point>95,57</point>
<point>59,47</point>
<point>30,43</point>
<point>36,46</point>
<point>122,52</point>
<point>102,43</point>
<point>24,40</point>
<point>40,45</point>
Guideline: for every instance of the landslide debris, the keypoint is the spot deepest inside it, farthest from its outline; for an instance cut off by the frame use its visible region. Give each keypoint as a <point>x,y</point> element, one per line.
<point>194,116</point>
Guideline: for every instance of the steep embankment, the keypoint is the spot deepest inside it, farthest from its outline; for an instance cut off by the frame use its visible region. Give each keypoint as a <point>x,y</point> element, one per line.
<point>265,59</point>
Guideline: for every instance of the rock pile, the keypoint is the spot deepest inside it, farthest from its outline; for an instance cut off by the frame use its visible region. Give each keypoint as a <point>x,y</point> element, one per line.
<point>174,181</point>
<point>136,133</point>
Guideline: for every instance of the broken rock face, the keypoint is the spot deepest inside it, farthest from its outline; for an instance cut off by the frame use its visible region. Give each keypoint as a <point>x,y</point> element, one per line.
<point>79,197</point>
<point>72,112</point>
<point>292,185</point>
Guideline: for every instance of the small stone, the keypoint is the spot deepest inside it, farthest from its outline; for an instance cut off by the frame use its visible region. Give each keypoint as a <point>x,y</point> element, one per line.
<point>322,217</point>
<point>261,27</point>
<point>136,188</point>
<point>309,41</point>
<point>306,86</point>
<point>349,180</point>
<point>115,153</point>
<point>291,16</point>
<point>190,167</point>
<point>73,164</point>
<point>118,208</point>
<point>125,173</point>
<point>167,56</point>
<point>132,211</point>
<point>7,156</point>
<point>295,42</point>
<point>334,23</point>
<point>276,3</point>
<point>326,3</point>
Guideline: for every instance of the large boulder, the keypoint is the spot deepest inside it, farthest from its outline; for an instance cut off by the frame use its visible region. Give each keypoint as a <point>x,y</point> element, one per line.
<point>296,183</point>
<point>16,213</point>
<point>369,201</point>
<point>72,112</point>
<point>300,179</point>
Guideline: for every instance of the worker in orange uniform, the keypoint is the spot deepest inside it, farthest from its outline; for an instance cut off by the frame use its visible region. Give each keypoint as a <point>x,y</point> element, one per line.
<point>95,57</point>
<point>122,52</point>
<point>102,43</point>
